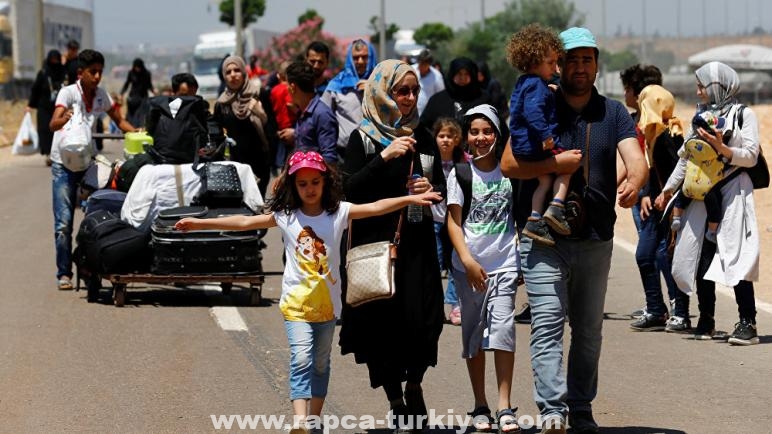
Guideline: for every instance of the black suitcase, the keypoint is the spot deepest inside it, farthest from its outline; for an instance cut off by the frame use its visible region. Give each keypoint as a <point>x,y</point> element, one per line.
<point>203,252</point>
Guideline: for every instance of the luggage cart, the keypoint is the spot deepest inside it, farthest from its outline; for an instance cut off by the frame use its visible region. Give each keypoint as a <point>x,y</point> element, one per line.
<point>121,281</point>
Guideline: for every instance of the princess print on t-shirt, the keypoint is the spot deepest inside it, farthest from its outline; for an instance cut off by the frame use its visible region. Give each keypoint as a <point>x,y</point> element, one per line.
<point>310,300</point>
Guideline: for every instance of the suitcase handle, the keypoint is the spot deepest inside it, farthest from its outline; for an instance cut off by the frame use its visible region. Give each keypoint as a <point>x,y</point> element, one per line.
<point>183,211</point>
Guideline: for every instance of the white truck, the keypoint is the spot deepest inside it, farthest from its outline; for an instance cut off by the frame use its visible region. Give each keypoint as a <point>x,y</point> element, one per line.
<point>405,45</point>
<point>212,47</point>
<point>24,28</point>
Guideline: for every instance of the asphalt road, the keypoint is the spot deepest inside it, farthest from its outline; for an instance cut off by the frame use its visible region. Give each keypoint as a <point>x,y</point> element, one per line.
<point>172,358</point>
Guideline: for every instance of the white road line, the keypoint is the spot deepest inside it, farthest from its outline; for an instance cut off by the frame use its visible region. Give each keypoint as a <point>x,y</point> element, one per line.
<point>721,289</point>
<point>227,317</point>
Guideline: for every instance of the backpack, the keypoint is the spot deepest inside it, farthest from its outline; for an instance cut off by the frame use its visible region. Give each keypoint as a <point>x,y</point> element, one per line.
<point>126,172</point>
<point>759,173</point>
<point>107,244</point>
<point>464,178</point>
<point>177,139</point>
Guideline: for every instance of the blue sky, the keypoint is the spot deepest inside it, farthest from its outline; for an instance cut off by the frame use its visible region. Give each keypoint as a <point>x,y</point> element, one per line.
<point>164,22</point>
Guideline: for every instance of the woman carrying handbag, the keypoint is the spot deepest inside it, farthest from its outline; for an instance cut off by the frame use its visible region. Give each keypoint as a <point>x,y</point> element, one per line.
<point>396,337</point>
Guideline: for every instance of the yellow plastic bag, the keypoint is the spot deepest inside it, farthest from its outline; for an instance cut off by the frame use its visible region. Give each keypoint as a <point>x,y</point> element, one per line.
<point>703,169</point>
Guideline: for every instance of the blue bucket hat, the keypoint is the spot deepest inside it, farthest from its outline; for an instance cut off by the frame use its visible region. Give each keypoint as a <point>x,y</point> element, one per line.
<point>577,37</point>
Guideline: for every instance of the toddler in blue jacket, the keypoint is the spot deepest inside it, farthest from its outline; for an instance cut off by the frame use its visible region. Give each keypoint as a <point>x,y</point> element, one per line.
<point>534,51</point>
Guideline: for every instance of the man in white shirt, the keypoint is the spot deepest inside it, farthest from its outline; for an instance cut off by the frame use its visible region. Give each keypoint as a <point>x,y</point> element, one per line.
<point>429,77</point>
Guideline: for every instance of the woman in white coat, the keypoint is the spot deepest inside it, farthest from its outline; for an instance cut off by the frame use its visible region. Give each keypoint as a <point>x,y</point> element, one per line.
<point>734,259</point>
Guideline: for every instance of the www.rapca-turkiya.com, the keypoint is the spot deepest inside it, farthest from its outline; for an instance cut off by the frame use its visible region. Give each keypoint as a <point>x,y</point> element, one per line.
<point>331,422</point>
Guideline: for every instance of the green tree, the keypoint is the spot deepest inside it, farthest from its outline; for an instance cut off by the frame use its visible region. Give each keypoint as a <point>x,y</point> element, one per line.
<point>375,38</point>
<point>251,10</point>
<point>617,61</point>
<point>309,14</point>
<point>432,34</point>
<point>490,44</point>
<point>558,14</point>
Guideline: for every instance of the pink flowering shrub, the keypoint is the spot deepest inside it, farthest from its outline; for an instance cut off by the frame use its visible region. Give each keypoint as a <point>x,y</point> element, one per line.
<point>292,45</point>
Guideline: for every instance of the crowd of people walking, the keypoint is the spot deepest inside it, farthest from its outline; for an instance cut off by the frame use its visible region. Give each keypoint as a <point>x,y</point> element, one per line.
<point>522,194</point>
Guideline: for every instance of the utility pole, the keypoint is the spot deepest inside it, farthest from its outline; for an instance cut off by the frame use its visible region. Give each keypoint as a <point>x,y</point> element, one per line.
<point>704,27</point>
<point>238,21</point>
<point>482,14</point>
<point>382,32</point>
<point>39,55</point>
<point>643,35</point>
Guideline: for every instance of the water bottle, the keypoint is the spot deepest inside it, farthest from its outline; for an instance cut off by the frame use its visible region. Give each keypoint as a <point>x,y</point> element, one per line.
<point>415,213</point>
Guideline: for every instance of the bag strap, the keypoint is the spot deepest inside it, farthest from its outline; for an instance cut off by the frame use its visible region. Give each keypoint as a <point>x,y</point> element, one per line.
<point>739,115</point>
<point>464,179</point>
<point>396,239</point>
<point>178,184</point>
<point>587,156</point>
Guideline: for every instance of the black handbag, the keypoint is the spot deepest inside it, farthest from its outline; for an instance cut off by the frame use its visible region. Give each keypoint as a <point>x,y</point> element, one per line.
<point>220,185</point>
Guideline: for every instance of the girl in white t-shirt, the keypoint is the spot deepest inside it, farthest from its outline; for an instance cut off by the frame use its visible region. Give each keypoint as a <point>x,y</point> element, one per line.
<point>486,266</point>
<point>308,209</point>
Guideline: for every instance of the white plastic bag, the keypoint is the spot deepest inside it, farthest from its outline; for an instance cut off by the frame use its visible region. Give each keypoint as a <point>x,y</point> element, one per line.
<point>27,139</point>
<point>77,151</point>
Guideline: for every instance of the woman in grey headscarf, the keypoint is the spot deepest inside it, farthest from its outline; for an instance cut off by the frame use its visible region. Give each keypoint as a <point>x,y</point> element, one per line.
<point>241,113</point>
<point>734,259</point>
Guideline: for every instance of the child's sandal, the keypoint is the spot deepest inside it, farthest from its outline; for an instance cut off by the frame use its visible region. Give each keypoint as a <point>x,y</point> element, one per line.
<point>482,422</point>
<point>507,421</point>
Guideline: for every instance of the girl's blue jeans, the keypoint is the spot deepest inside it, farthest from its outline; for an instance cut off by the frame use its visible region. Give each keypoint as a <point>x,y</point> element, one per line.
<point>310,347</point>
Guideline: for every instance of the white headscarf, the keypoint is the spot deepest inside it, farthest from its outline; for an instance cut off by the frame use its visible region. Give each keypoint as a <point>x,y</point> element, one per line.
<point>721,83</point>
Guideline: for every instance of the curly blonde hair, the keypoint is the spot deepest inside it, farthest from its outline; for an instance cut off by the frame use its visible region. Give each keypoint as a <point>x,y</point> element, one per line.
<point>530,46</point>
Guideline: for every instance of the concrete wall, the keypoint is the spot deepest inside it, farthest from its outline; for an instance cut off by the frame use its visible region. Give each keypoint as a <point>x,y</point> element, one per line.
<point>60,24</point>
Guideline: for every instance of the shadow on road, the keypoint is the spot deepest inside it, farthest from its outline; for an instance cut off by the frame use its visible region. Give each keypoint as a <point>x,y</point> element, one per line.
<point>613,316</point>
<point>155,296</point>
<point>639,430</point>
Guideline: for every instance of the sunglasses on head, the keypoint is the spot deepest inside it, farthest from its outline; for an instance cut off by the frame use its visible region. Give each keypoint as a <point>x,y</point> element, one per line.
<point>405,91</point>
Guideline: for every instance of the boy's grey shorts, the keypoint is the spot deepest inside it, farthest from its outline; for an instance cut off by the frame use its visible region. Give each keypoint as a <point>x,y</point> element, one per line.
<point>487,318</point>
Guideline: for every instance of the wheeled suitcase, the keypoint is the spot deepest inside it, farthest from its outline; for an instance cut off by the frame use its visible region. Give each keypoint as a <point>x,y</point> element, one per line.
<point>205,251</point>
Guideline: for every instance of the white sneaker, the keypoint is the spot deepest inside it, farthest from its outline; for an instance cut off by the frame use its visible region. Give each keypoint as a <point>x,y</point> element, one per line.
<point>677,324</point>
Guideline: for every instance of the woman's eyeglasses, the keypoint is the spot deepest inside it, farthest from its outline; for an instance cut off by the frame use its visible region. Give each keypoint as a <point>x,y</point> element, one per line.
<point>405,91</point>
